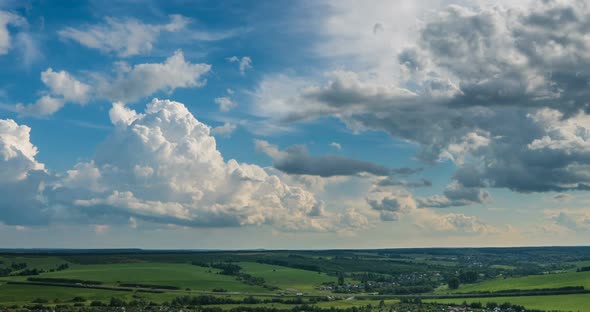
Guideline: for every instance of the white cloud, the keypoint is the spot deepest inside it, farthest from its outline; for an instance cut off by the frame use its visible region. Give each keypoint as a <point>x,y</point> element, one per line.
<point>163,166</point>
<point>142,80</point>
<point>63,84</point>
<point>130,84</point>
<point>245,63</point>
<point>22,177</point>
<point>336,145</point>
<point>225,130</point>
<point>17,153</point>
<point>569,219</point>
<point>123,37</point>
<point>44,106</point>
<point>6,19</point>
<point>225,103</point>
<point>63,88</point>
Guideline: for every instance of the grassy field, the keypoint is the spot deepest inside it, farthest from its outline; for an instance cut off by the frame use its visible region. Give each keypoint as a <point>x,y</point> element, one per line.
<point>288,279</point>
<point>179,275</point>
<point>40,262</point>
<point>22,294</point>
<point>548,303</point>
<point>529,282</point>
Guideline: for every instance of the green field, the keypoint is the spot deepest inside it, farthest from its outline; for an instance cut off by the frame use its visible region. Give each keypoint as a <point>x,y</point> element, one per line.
<point>40,262</point>
<point>179,275</point>
<point>22,294</point>
<point>548,303</point>
<point>530,282</point>
<point>288,279</point>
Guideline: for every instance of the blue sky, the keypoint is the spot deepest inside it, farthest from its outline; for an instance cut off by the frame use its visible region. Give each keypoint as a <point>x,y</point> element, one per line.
<point>293,124</point>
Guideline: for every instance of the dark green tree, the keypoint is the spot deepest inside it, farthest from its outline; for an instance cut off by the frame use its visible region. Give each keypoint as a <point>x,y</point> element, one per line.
<point>453,283</point>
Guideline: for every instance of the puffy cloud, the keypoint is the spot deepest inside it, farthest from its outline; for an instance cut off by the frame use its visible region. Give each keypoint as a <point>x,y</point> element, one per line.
<point>141,80</point>
<point>130,84</point>
<point>457,223</point>
<point>224,130</point>
<point>16,151</point>
<point>297,160</point>
<point>62,83</point>
<point>569,219</point>
<point>44,106</point>
<point>456,195</point>
<point>391,206</point>
<point>245,63</point>
<point>21,177</point>
<point>225,103</point>
<point>397,204</point>
<point>163,166</point>
<point>123,37</point>
<point>336,145</point>
<point>7,18</point>
<point>499,92</point>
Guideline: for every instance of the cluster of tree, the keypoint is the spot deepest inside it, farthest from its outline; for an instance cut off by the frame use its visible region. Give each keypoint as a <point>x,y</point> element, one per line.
<point>405,290</point>
<point>235,270</point>
<point>61,267</point>
<point>506,306</point>
<point>209,300</point>
<point>135,285</point>
<point>29,272</point>
<point>284,263</point>
<point>583,269</point>
<point>18,266</point>
<point>62,280</point>
<point>468,277</point>
<point>5,271</point>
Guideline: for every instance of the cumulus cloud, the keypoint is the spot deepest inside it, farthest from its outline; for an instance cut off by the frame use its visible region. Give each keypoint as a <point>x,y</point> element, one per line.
<point>569,219</point>
<point>22,177</point>
<point>124,37</point>
<point>244,63</point>
<point>63,88</point>
<point>129,85</point>
<point>44,106</point>
<point>297,160</point>
<point>163,165</point>
<point>336,145</point>
<point>499,92</point>
<point>397,204</point>
<point>456,195</point>
<point>141,80</point>
<point>225,103</point>
<point>224,130</point>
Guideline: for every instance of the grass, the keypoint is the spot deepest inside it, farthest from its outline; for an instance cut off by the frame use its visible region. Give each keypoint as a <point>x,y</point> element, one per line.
<point>179,275</point>
<point>288,279</point>
<point>21,294</point>
<point>40,262</point>
<point>548,303</point>
<point>530,282</point>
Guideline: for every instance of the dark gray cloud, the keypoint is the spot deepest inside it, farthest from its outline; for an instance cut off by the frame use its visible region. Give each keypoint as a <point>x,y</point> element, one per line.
<point>392,181</point>
<point>297,160</point>
<point>456,195</point>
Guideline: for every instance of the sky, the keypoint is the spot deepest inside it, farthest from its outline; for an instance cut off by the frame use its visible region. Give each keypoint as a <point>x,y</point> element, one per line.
<point>294,124</point>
